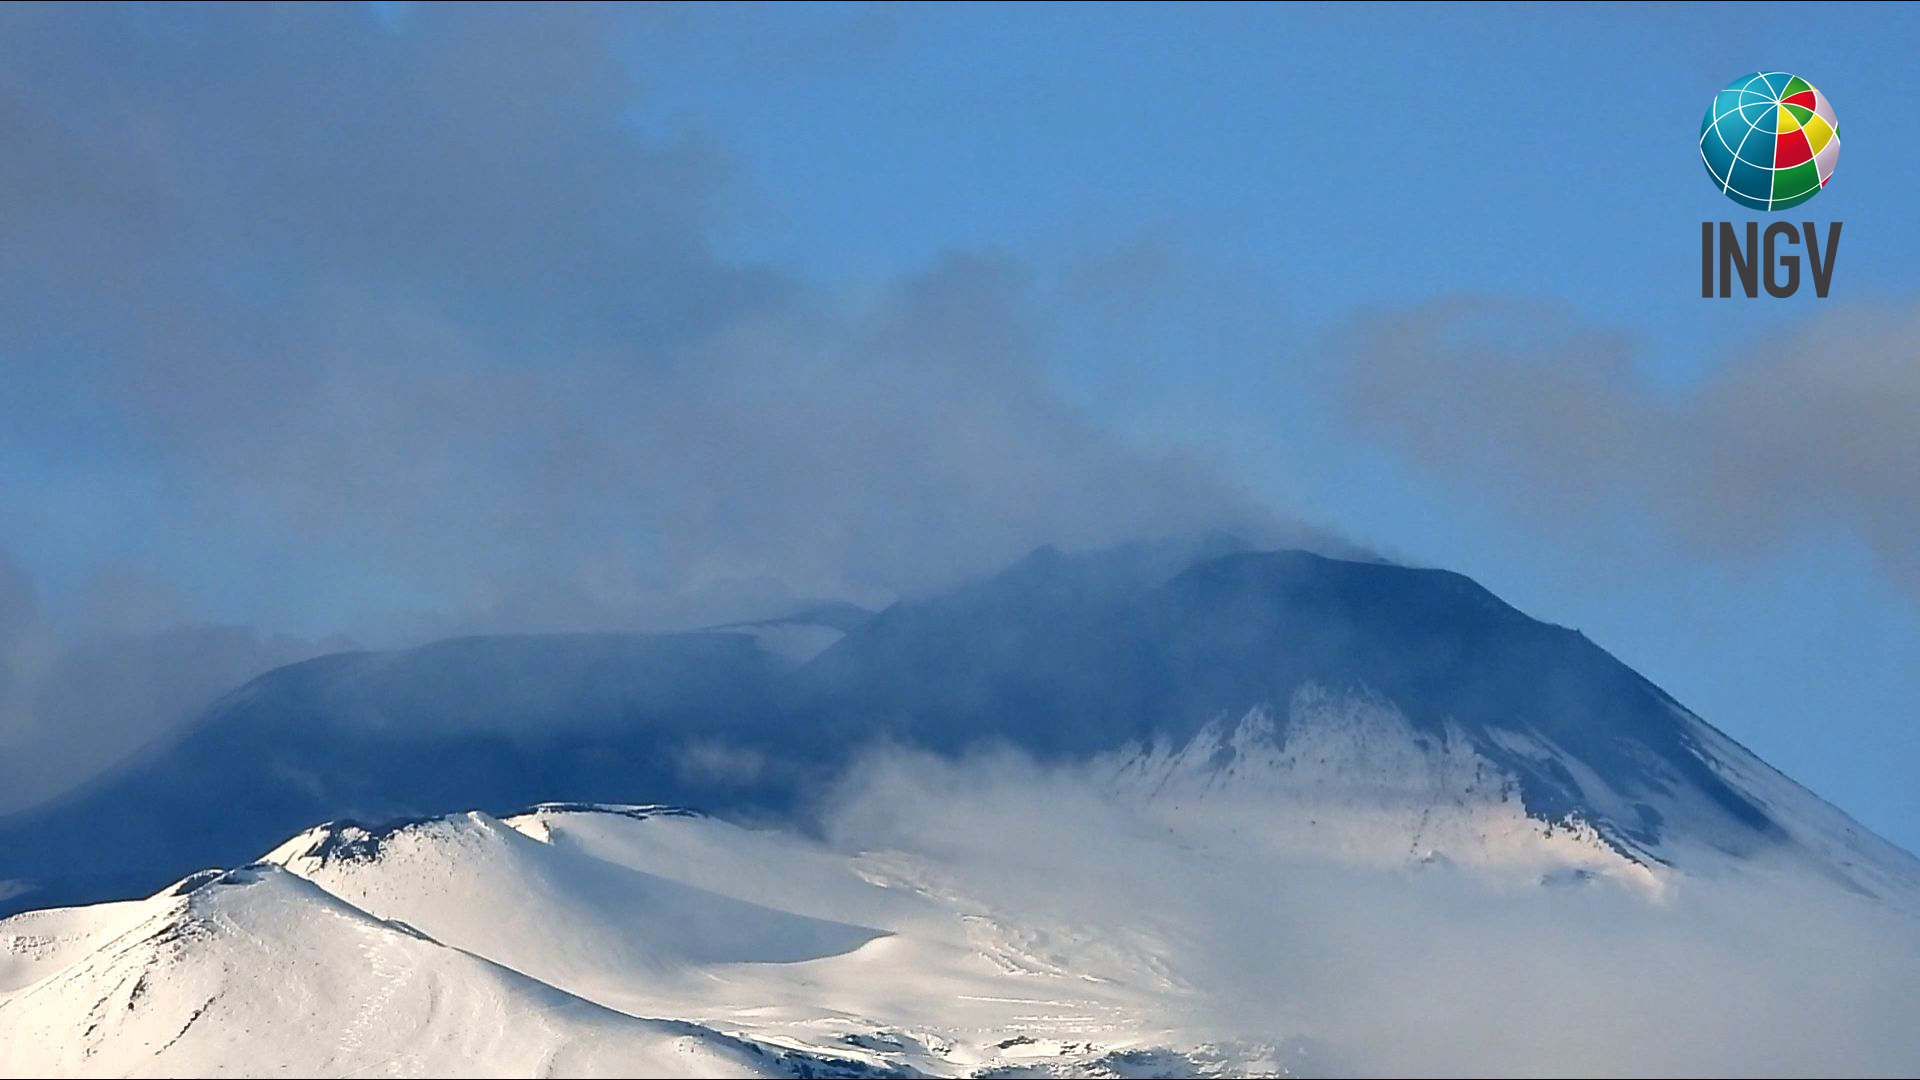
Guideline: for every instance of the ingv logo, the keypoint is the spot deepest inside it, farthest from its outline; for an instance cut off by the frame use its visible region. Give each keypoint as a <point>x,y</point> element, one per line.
<point>1770,141</point>
<point>1737,258</point>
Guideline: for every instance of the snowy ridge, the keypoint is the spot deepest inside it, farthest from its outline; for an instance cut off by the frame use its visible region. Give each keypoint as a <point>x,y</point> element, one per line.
<point>1088,940</point>
<point>256,970</point>
<point>547,910</point>
<point>531,946</point>
<point>1828,841</point>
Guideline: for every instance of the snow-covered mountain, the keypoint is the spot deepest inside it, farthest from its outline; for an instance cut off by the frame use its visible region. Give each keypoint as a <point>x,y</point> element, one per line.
<point>256,971</point>
<point>1020,930</point>
<point>1156,810</point>
<point>536,944</point>
<point>1400,712</point>
<point>1280,682</point>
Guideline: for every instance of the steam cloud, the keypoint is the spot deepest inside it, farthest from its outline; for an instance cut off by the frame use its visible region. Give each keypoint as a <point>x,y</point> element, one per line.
<point>1415,972</point>
<point>409,326</point>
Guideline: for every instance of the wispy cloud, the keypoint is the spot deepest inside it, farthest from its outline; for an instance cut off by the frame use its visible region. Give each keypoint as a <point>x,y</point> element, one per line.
<point>427,298</point>
<point>1810,435</point>
<point>407,326</point>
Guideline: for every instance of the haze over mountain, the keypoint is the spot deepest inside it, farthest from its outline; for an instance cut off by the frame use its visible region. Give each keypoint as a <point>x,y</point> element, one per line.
<point>519,547</point>
<point>1196,668</point>
<point>1026,825</point>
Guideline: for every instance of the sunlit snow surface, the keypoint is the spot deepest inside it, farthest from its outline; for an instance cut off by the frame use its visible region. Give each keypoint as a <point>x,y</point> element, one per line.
<point>988,918</point>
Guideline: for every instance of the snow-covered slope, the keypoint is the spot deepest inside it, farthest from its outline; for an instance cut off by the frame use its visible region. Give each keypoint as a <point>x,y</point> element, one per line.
<point>657,911</point>
<point>1347,775</point>
<point>37,943</point>
<point>467,945</point>
<point>582,923</point>
<point>1379,713</point>
<point>256,971</point>
<point>961,920</point>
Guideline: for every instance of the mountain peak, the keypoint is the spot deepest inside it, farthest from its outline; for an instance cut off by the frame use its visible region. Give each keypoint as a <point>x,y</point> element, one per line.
<point>1064,656</point>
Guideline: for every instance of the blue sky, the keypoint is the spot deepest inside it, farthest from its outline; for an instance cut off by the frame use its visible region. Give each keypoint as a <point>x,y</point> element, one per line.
<point>1334,162</point>
<point>1183,231</point>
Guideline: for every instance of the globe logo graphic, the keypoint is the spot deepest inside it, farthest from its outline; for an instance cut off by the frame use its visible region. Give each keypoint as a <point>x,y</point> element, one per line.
<point>1770,140</point>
